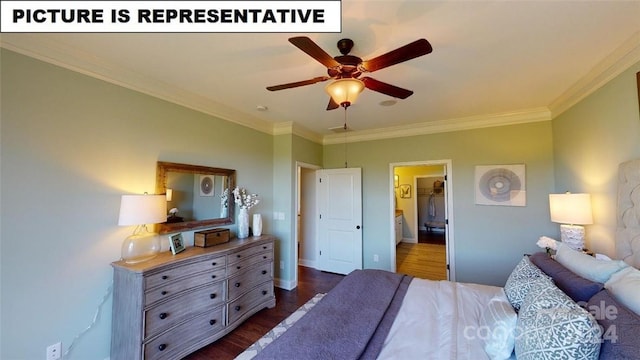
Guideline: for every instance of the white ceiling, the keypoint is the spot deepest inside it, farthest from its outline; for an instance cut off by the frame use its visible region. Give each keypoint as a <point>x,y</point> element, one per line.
<point>506,60</point>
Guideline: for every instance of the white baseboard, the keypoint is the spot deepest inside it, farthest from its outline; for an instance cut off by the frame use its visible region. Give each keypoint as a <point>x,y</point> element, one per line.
<point>284,284</point>
<point>307,263</point>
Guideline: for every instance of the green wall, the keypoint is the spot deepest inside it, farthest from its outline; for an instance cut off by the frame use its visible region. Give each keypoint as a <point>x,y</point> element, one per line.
<point>489,240</point>
<point>590,140</point>
<point>71,146</point>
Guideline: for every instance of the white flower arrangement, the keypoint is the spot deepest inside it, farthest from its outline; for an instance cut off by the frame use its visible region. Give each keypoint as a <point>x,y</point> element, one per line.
<point>244,200</point>
<point>173,211</point>
<point>547,243</point>
<point>224,198</point>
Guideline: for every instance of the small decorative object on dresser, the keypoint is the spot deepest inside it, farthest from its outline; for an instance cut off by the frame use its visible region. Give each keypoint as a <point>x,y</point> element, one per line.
<point>168,307</point>
<point>257,224</point>
<point>211,237</point>
<point>245,201</point>
<point>176,243</point>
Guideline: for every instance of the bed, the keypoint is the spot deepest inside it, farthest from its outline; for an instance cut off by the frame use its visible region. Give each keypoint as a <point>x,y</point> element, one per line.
<point>570,306</point>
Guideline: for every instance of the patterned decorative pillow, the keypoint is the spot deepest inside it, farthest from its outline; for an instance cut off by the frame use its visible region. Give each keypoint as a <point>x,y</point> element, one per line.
<point>522,278</point>
<point>552,326</point>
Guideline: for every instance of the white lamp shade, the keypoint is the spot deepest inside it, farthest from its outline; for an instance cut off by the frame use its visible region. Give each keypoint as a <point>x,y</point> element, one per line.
<point>142,209</point>
<point>345,90</point>
<point>571,208</point>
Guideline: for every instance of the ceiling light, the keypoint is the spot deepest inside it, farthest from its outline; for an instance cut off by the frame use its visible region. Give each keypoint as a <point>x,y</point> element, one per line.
<point>262,108</point>
<point>345,91</point>
<point>389,102</point>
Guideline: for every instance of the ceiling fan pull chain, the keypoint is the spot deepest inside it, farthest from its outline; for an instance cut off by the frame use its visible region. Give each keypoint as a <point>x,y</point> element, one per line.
<point>345,138</point>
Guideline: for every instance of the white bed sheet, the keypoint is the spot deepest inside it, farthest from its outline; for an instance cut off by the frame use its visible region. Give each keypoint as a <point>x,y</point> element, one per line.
<point>439,320</point>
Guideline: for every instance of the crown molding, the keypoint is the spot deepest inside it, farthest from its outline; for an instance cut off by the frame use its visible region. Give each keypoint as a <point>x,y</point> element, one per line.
<point>611,66</point>
<point>290,127</point>
<point>84,63</point>
<point>78,61</point>
<point>441,126</point>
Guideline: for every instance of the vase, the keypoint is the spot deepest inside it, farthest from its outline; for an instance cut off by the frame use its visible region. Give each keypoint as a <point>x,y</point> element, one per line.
<point>257,224</point>
<point>243,223</point>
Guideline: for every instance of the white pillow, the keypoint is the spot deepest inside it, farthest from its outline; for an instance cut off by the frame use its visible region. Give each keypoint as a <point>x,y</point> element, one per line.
<point>587,266</point>
<point>499,320</point>
<point>625,287</point>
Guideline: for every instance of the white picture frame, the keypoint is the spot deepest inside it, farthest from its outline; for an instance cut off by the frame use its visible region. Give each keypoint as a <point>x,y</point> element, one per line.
<point>176,243</point>
<point>503,185</point>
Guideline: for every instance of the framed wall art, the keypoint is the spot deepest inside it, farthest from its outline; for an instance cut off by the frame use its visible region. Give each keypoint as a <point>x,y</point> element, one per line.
<point>206,185</point>
<point>405,191</point>
<point>500,185</point>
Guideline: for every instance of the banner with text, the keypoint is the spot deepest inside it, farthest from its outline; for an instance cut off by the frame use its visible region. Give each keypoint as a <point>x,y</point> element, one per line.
<point>171,16</point>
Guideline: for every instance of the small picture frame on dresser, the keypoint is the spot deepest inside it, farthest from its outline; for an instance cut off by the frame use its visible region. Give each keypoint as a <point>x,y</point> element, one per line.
<point>176,243</point>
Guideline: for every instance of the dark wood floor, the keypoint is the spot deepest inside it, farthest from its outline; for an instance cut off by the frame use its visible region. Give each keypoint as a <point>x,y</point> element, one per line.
<point>310,282</point>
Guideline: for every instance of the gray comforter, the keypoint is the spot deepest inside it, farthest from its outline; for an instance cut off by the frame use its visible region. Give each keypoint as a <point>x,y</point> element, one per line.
<point>351,321</point>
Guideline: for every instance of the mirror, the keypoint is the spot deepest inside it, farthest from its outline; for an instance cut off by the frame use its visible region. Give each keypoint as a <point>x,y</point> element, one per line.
<point>195,196</point>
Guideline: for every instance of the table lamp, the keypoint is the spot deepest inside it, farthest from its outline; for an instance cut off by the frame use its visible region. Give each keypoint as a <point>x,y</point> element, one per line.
<point>571,211</point>
<point>141,210</point>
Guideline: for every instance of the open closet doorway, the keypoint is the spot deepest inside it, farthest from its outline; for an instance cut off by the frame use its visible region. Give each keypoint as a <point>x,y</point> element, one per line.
<point>422,219</point>
<point>305,252</point>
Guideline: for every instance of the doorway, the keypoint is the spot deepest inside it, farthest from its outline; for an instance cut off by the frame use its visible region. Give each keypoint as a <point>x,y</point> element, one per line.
<point>421,205</point>
<point>305,252</point>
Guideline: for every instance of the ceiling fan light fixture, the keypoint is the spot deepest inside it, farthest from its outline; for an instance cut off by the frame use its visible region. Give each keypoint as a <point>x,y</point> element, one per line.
<point>345,91</point>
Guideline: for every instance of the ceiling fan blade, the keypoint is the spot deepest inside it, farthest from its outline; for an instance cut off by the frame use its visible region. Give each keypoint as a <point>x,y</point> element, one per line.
<point>332,104</point>
<point>298,83</point>
<point>413,50</point>
<point>387,89</point>
<point>312,49</point>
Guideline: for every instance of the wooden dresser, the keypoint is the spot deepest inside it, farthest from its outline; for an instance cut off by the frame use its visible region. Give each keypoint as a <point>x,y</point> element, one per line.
<point>172,305</point>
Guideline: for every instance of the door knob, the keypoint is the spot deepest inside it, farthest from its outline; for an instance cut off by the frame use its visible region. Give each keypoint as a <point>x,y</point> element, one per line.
<point>358,227</point>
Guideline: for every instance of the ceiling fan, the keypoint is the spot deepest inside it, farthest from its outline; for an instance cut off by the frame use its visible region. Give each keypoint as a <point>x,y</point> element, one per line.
<point>347,66</point>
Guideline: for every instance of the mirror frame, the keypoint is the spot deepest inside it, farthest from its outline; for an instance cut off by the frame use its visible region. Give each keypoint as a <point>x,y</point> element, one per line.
<point>161,188</point>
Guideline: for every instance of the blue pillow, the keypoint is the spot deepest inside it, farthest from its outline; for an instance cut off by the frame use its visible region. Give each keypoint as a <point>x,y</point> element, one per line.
<point>620,327</point>
<point>578,288</point>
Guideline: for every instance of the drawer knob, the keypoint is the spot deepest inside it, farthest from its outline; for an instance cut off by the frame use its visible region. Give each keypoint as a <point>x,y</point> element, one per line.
<point>264,272</point>
<point>237,284</point>
<point>213,276</point>
<point>164,277</point>
<point>213,296</point>
<point>162,347</point>
<point>237,308</point>
<point>264,247</point>
<point>238,255</point>
<point>163,292</point>
<point>264,292</point>
<point>163,316</point>
<point>214,263</point>
<point>264,256</point>
<point>238,267</point>
<point>212,321</point>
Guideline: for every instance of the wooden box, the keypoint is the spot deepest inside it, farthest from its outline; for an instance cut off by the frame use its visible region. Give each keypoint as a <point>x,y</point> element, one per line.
<point>211,237</point>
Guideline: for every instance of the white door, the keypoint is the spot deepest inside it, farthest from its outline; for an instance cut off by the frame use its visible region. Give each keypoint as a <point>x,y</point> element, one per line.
<point>340,220</point>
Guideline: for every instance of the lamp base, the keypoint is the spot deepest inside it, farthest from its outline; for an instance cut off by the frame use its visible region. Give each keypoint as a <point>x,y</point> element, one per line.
<point>140,247</point>
<point>573,236</point>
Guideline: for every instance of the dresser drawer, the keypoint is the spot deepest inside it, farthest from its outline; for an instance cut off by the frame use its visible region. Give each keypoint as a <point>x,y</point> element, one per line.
<point>245,281</point>
<point>250,261</point>
<point>176,310</point>
<point>254,298</point>
<point>167,276</point>
<point>165,291</point>
<point>241,255</point>
<point>167,345</point>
